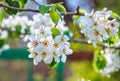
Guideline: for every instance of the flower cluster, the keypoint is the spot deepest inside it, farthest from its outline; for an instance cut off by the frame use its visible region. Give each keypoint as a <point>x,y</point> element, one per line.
<point>39,20</point>
<point>97,27</point>
<point>113,62</point>
<point>43,46</point>
<point>12,22</point>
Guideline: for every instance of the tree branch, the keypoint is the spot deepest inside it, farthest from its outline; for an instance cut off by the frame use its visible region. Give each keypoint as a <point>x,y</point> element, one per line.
<point>19,9</point>
<point>33,10</point>
<point>86,42</point>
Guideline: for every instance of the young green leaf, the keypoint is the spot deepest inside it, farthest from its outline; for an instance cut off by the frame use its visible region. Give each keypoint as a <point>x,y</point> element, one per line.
<point>18,28</point>
<point>53,64</point>
<point>99,61</point>
<point>111,40</point>
<point>1,42</point>
<point>55,16</point>
<point>44,9</point>
<point>2,14</point>
<point>55,32</point>
<point>61,8</point>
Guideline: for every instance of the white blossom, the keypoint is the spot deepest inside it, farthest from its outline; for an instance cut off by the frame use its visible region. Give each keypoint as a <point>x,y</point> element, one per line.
<point>13,21</point>
<point>97,27</point>
<point>43,47</point>
<point>113,62</point>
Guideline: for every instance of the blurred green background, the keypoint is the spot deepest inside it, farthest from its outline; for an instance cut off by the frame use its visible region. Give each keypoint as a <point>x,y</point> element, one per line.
<point>15,66</point>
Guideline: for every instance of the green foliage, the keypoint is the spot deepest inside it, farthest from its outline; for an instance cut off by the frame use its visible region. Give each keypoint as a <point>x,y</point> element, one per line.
<point>75,22</point>
<point>14,35</point>
<point>119,32</point>
<point>53,64</point>
<point>22,3</point>
<point>55,32</point>
<point>55,16</point>
<point>27,30</point>
<point>55,12</point>
<point>114,15</point>
<point>15,3</point>
<point>68,33</point>
<point>61,8</point>
<point>18,28</point>
<point>1,42</point>
<point>111,40</point>
<point>44,9</point>
<point>2,14</point>
<point>99,61</point>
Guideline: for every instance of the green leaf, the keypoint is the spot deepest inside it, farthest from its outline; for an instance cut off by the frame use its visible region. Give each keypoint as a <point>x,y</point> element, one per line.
<point>61,8</point>
<point>68,33</point>
<point>114,15</point>
<point>18,28</point>
<point>99,61</point>
<point>119,31</point>
<point>27,30</point>
<point>22,3</point>
<point>44,9</point>
<point>8,1</point>
<point>13,4</point>
<point>2,14</point>
<point>55,32</point>
<point>1,42</point>
<point>111,40</point>
<point>53,64</point>
<point>75,22</point>
<point>55,16</point>
<point>14,36</point>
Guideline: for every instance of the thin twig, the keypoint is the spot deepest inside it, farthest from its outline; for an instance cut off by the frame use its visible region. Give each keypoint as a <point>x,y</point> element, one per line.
<point>35,2</point>
<point>19,9</point>
<point>32,10</point>
<point>86,42</point>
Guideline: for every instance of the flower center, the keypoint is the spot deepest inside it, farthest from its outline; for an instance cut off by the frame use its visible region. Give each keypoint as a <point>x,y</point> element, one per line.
<point>62,39</point>
<point>95,24</point>
<point>112,25</point>
<point>44,54</point>
<point>42,32</point>
<point>107,30</point>
<point>35,54</point>
<point>90,16</point>
<point>56,45</point>
<point>54,53</point>
<point>96,33</point>
<point>45,42</point>
<point>35,43</point>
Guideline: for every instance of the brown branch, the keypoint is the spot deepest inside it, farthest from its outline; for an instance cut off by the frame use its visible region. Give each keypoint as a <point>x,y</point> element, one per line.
<point>32,10</point>
<point>19,9</point>
<point>86,42</point>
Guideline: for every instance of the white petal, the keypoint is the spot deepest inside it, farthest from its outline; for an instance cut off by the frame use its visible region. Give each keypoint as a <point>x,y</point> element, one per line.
<point>35,62</point>
<point>69,51</point>
<point>48,60</point>
<point>30,55</point>
<point>57,59</point>
<point>63,59</point>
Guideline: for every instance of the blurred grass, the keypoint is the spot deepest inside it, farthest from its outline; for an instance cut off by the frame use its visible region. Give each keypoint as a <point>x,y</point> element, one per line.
<point>85,70</point>
<point>113,5</point>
